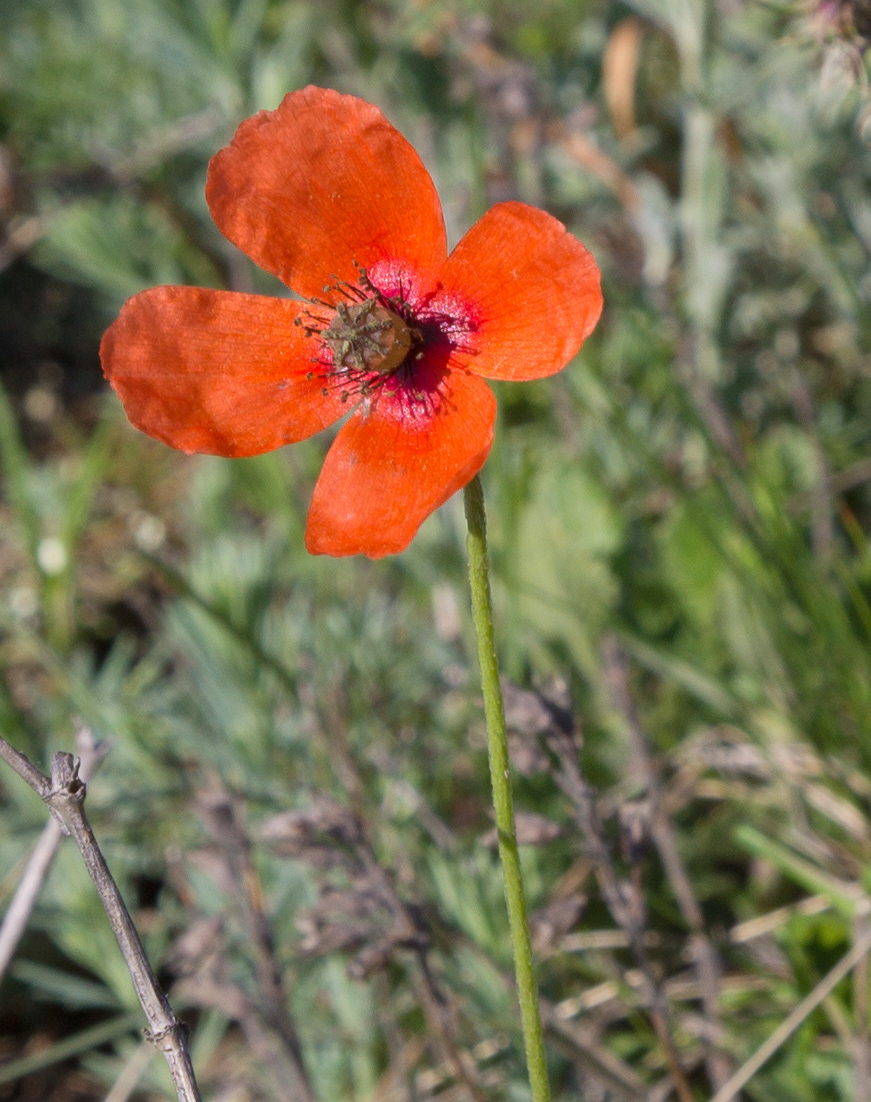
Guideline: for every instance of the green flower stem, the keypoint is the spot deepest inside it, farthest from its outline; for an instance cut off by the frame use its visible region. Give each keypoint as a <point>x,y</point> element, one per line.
<point>503,803</point>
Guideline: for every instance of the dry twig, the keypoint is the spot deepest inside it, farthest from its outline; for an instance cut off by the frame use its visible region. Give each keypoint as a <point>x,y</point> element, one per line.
<point>862,1041</point>
<point>790,1024</point>
<point>64,796</point>
<point>20,909</point>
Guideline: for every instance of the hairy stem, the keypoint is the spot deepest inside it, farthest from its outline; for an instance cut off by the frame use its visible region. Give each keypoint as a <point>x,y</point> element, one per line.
<point>503,804</point>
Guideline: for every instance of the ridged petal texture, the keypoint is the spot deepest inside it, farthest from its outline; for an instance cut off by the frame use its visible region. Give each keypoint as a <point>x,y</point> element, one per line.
<point>216,372</point>
<point>533,290</point>
<point>390,467</point>
<point>321,182</point>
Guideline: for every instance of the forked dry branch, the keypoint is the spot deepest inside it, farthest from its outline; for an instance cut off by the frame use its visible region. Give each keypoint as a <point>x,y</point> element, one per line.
<point>64,796</point>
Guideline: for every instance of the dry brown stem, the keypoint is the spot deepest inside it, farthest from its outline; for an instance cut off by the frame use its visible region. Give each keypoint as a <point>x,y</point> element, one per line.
<point>704,956</point>
<point>222,815</point>
<point>557,729</point>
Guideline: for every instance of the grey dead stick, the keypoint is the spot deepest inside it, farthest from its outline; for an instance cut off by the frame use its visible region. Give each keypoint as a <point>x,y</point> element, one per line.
<point>39,863</point>
<point>64,796</point>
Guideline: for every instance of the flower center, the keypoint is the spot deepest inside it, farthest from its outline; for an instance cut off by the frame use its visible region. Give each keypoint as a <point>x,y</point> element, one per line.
<point>363,342</point>
<point>366,336</point>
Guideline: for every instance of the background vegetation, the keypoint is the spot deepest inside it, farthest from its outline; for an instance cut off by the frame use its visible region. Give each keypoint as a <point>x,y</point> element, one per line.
<point>295,794</point>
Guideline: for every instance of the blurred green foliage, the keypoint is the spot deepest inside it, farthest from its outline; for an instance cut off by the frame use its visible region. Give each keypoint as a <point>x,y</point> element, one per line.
<point>693,490</point>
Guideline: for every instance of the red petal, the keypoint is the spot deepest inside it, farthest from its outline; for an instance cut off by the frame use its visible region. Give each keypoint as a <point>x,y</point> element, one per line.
<point>390,468</point>
<point>531,288</point>
<point>322,181</point>
<point>215,371</point>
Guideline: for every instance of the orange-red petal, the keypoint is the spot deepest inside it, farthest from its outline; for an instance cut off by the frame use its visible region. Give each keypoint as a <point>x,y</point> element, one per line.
<point>532,288</point>
<point>390,467</point>
<point>216,371</point>
<point>322,181</point>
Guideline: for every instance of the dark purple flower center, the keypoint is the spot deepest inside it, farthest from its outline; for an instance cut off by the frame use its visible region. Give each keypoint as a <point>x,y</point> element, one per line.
<point>369,338</point>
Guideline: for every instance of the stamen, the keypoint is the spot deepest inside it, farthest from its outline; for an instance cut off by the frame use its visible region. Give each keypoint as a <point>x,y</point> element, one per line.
<point>366,340</point>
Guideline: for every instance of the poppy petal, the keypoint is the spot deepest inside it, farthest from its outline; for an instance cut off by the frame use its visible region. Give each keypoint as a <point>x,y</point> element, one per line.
<point>322,181</point>
<point>388,469</point>
<point>215,371</point>
<point>532,290</point>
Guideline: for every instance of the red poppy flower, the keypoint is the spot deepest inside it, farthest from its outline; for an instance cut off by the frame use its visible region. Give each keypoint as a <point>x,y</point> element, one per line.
<point>328,196</point>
